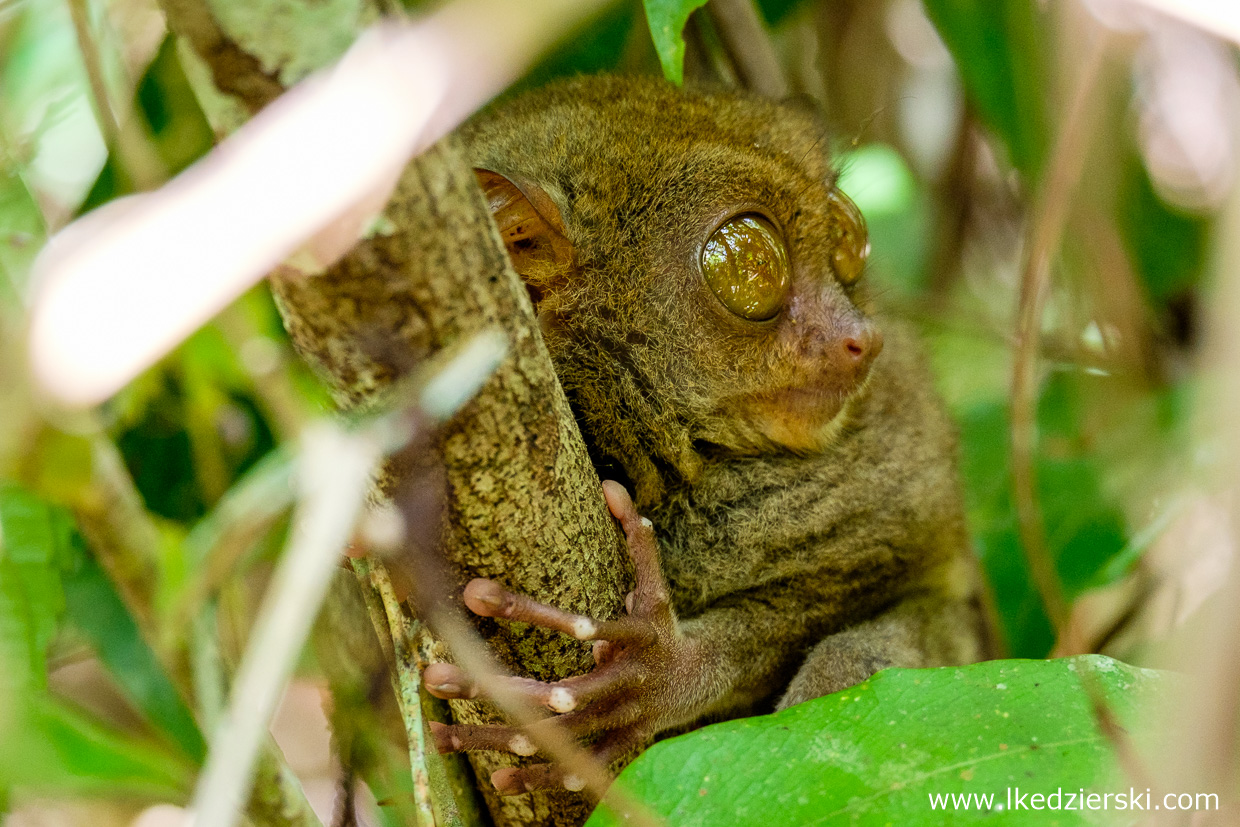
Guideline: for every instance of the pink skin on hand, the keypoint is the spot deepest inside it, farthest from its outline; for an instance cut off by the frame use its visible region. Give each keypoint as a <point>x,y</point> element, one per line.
<point>638,684</point>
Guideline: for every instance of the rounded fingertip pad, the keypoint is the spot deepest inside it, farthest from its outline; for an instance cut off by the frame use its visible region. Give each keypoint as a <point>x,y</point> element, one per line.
<point>508,781</point>
<point>561,700</point>
<point>486,597</point>
<point>443,680</point>
<point>618,501</point>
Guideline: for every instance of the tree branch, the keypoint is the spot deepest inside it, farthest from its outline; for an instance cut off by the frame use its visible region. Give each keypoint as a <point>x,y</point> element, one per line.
<point>235,71</point>
<point>749,45</point>
<point>524,503</point>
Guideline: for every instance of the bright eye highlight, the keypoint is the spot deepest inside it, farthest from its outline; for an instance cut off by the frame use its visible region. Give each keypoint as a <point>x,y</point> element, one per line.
<point>746,264</point>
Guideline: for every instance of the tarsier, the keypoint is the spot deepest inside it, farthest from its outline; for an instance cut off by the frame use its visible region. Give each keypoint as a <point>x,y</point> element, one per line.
<point>698,278</point>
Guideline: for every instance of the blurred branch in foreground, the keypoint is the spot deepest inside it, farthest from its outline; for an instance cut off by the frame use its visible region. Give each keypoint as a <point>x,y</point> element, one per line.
<point>1202,729</point>
<point>225,222</point>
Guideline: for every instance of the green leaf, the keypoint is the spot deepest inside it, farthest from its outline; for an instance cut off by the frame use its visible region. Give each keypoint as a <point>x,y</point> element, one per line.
<point>999,48</point>
<point>876,753</point>
<point>51,748</point>
<point>667,19</point>
<point>22,232</point>
<point>32,548</point>
<point>179,131</point>
<point>1083,526</point>
<point>46,574</point>
<point>95,608</point>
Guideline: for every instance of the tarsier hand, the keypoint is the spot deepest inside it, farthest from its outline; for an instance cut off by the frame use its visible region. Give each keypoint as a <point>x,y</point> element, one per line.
<point>646,676</point>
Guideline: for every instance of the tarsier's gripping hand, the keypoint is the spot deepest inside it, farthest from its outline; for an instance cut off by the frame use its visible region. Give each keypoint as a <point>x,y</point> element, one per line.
<point>648,675</point>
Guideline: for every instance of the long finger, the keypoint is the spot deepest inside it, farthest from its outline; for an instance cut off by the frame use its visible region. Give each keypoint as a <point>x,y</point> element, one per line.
<point>523,741</point>
<point>444,680</point>
<point>463,738</point>
<point>489,599</point>
<point>643,548</point>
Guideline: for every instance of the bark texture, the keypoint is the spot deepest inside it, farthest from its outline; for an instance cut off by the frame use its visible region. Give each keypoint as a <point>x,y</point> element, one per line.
<point>524,504</point>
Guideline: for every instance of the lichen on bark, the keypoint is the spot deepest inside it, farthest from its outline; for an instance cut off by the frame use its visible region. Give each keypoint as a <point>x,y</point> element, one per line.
<point>524,504</point>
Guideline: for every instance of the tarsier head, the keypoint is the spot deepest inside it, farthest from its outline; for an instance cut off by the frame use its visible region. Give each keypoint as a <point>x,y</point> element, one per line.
<point>695,268</point>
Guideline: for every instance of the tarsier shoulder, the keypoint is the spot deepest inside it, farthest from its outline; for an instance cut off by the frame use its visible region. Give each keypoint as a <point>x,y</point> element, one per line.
<point>700,282</point>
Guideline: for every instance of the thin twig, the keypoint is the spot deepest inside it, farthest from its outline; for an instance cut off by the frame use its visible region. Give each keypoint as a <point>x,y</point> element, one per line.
<point>1130,760</point>
<point>217,544</point>
<point>335,473</point>
<point>748,44</point>
<point>136,155</point>
<point>100,99</point>
<point>408,678</point>
<point>1045,230</point>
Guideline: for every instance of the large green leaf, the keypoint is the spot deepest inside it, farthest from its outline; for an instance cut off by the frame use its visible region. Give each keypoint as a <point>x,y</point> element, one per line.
<point>879,752</point>
<point>667,19</point>
<point>46,578</point>
<point>999,47</point>
<point>47,745</point>
<point>51,748</point>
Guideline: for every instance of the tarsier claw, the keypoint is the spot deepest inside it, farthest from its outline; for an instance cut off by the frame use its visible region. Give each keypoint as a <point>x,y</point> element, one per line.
<point>640,660</point>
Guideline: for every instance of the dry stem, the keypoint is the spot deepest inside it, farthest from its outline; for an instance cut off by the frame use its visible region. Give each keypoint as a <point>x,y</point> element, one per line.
<point>749,46</point>
<point>1045,230</point>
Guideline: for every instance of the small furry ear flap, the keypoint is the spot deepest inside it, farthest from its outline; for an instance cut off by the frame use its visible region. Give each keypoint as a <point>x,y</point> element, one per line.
<point>530,224</point>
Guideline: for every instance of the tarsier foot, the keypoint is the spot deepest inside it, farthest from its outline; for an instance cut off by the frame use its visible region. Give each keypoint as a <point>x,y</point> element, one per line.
<point>636,686</point>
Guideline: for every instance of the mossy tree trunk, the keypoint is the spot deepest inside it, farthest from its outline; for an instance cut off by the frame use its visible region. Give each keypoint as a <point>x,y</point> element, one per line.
<point>524,504</point>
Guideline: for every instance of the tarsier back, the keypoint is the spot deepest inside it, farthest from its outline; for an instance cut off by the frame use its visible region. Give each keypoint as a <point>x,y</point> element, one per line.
<point>699,279</point>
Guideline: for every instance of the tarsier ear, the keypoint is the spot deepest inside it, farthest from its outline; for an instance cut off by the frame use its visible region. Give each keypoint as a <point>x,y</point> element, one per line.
<point>531,226</point>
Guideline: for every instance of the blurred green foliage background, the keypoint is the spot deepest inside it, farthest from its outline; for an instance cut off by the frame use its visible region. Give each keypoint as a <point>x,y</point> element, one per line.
<point>943,117</point>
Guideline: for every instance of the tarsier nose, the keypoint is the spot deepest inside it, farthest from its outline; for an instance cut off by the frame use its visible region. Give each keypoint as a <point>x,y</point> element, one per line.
<point>861,345</point>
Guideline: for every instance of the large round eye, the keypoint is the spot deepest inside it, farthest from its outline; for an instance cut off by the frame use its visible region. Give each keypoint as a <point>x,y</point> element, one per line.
<point>850,243</point>
<point>746,264</point>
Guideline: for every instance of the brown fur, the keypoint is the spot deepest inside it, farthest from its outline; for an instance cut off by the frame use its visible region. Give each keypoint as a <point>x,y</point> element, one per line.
<point>791,540</point>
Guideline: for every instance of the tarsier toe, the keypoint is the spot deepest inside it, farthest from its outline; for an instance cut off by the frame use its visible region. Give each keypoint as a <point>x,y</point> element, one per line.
<point>443,680</point>
<point>485,597</point>
<point>518,780</point>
